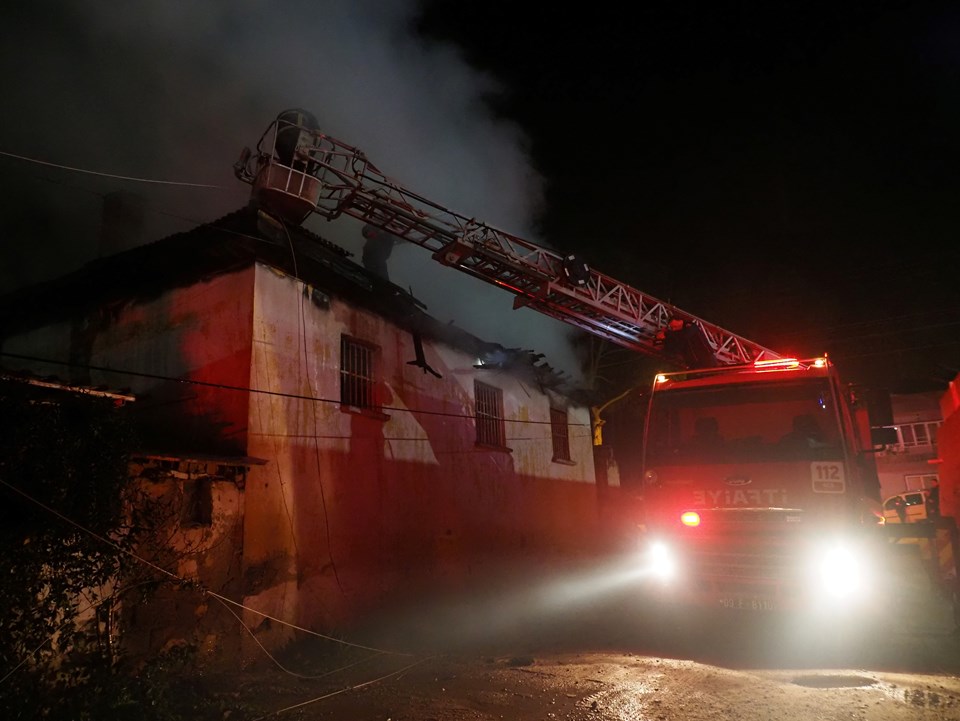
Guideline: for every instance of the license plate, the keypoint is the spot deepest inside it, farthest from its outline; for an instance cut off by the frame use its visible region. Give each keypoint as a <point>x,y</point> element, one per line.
<point>748,604</point>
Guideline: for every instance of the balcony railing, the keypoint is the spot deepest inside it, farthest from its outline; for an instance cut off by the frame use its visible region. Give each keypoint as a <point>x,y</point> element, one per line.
<point>920,436</point>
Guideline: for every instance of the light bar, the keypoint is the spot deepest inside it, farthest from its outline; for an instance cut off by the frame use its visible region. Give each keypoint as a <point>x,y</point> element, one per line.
<point>776,364</point>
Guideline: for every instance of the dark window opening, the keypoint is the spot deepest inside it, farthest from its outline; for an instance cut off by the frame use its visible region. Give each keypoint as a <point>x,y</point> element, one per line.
<point>197,502</point>
<point>560,432</point>
<point>489,415</point>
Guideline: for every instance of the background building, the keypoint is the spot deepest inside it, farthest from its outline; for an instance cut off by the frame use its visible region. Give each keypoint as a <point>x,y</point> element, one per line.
<point>910,463</point>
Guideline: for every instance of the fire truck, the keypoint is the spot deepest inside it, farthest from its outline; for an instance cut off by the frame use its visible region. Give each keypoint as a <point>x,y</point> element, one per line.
<point>759,481</point>
<point>762,491</point>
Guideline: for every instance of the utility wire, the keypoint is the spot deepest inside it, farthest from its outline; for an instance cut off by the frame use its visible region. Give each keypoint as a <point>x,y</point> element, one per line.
<point>110,175</point>
<point>345,690</point>
<point>180,580</point>
<point>247,389</point>
<point>828,330</point>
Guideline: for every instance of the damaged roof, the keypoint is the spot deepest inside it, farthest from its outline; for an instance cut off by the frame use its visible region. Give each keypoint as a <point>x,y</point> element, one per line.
<point>234,241</point>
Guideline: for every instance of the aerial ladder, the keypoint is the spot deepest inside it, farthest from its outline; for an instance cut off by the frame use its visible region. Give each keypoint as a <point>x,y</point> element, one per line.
<point>296,171</point>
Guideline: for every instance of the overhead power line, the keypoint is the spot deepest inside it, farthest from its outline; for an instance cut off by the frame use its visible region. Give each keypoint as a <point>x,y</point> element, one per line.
<point>248,389</point>
<point>110,175</point>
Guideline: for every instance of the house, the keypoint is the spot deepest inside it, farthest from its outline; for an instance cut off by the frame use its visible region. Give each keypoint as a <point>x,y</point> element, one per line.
<point>909,463</point>
<point>321,445</point>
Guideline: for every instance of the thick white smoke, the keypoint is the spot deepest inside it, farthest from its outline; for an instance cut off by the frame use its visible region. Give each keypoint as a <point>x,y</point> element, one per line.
<point>174,91</point>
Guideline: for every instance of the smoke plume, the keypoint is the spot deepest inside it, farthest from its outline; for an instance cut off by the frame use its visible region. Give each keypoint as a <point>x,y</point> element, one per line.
<point>172,92</point>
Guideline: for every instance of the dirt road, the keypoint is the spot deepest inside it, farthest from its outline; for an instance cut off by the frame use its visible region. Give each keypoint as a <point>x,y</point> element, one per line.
<point>603,666</point>
<point>599,687</point>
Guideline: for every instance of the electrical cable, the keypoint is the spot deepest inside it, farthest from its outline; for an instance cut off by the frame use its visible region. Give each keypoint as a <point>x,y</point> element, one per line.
<point>48,639</point>
<point>284,668</point>
<point>302,342</point>
<point>345,690</point>
<point>180,580</point>
<point>247,389</point>
<point>111,175</point>
<point>866,271</point>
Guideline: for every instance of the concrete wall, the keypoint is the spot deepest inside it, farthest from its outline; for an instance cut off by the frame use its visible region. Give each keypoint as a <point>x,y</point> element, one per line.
<point>360,508</point>
<point>914,407</point>
<point>352,511</point>
<point>200,333</point>
<point>157,612</point>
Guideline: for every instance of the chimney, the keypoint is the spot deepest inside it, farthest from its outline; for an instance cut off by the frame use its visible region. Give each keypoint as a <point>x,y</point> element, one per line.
<point>121,222</point>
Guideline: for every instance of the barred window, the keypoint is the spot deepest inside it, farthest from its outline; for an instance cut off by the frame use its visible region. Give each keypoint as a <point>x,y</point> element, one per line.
<point>560,432</point>
<point>489,413</point>
<point>357,374</point>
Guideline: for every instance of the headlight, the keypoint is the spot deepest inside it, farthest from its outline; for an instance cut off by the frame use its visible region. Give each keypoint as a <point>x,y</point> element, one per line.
<point>661,562</point>
<point>840,571</point>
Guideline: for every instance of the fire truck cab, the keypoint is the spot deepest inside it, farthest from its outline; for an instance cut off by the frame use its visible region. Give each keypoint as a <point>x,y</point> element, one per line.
<point>760,486</point>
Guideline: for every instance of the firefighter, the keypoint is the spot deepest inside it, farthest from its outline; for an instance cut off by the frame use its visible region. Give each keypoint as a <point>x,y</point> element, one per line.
<point>806,433</point>
<point>706,434</point>
<point>901,508</point>
<point>933,500</point>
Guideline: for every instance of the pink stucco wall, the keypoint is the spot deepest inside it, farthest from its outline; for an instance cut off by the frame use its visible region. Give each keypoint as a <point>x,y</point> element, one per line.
<point>198,333</point>
<point>350,511</point>
<point>354,507</point>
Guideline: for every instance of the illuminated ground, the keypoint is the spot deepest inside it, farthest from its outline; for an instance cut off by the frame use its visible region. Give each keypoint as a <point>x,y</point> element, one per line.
<point>603,686</point>
<point>588,646</point>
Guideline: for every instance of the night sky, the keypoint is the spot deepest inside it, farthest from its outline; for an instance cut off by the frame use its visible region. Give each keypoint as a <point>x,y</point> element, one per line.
<point>784,170</point>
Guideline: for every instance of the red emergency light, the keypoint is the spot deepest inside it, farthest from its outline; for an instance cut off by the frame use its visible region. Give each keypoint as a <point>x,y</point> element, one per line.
<point>781,364</point>
<point>776,364</point>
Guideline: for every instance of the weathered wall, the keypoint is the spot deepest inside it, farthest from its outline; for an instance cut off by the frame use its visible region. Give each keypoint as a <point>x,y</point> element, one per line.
<point>358,507</point>
<point>352,510</point>
<point>199,333</point>
<point>160,612</point>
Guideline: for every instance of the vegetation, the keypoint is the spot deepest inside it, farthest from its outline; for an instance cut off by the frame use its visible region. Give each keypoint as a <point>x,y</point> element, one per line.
<point>67,523</point>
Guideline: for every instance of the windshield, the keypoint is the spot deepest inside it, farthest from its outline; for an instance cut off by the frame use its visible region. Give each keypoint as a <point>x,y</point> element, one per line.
<point>750,421</point>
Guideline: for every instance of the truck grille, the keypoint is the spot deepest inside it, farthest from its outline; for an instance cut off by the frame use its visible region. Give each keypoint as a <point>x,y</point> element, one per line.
<point>753,554</point>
